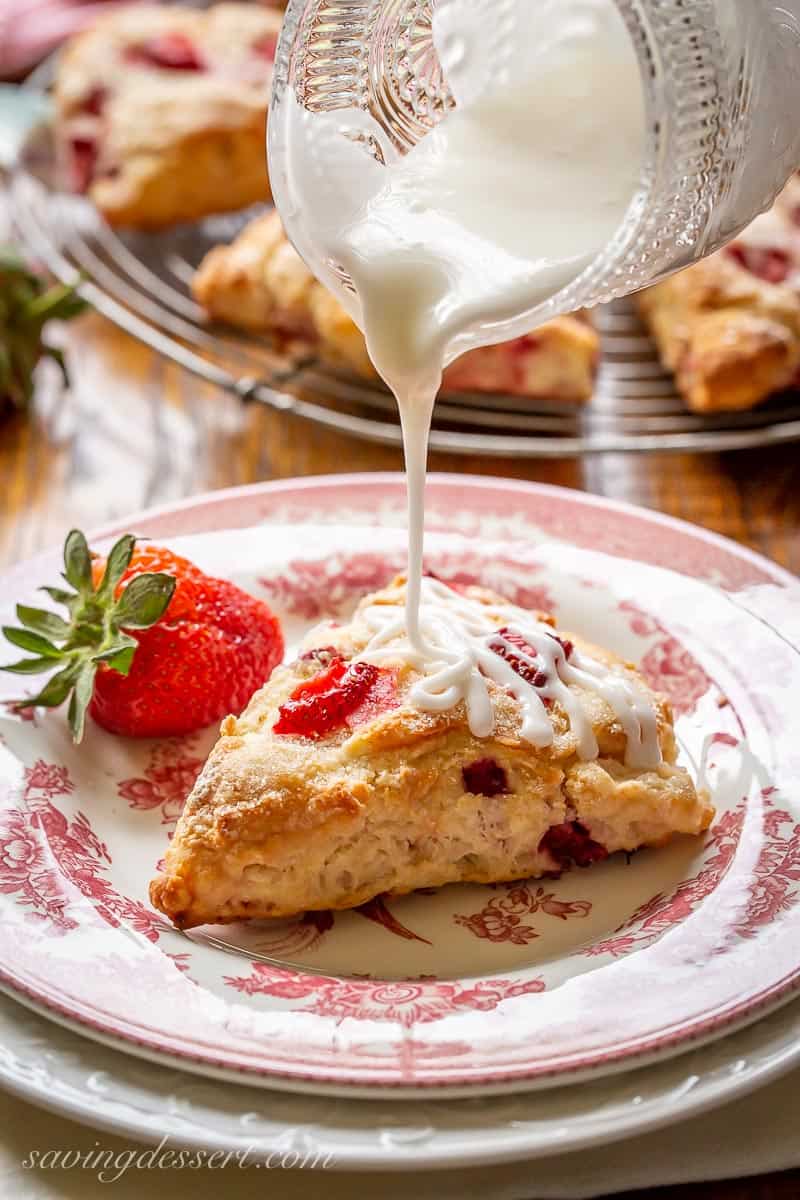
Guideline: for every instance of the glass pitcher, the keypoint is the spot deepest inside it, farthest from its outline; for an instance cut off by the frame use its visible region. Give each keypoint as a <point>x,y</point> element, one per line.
<point>722,86</point>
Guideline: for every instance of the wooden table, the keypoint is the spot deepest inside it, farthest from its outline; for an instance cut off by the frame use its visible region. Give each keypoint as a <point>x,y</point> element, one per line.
<point>137,431</point>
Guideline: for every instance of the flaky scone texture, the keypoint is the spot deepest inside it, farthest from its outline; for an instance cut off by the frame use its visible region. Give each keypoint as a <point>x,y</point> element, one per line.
<point>260,283</point>
<point>277,825</point>
<point>169,145</point>
<point>729,327</point>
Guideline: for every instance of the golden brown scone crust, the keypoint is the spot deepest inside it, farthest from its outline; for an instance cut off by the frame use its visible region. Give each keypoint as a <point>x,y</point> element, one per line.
<point>260,283</point>
<point>277,824</point>
<point>172,145</point>
<point>732,337</point>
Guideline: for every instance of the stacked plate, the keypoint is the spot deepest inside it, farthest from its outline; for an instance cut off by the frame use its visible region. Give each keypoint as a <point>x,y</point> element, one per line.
<point>435,1029</point>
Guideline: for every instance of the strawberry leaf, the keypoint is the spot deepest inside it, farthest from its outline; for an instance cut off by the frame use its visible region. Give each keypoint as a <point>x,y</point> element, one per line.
<point>118,562</point>
<point>57,688</point>
<point>30,666</point>
<point>144,600</point>
<point>59,595</point>
<point>122,660</point>
<point>80,698</point>
<point>50,625</point>
<point>59,303</point>
<point>119,654</point>
<point>77,562</point>
<point>27,640</point>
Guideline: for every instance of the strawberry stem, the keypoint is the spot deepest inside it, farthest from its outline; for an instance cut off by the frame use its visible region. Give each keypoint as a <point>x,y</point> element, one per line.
<point>26,305</point>
<point>95,633</point>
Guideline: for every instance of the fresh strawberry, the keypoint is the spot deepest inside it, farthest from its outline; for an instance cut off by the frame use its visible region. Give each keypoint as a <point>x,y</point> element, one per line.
<point>153,647</point>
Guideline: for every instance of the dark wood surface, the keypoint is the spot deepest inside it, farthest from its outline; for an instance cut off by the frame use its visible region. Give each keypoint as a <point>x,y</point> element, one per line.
<point>136,431</point>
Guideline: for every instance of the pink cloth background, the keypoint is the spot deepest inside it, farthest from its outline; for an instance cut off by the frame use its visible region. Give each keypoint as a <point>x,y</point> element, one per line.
<point>30,29</point>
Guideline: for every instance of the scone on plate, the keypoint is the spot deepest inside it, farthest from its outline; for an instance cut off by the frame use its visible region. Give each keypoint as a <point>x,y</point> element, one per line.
<point>729,327</point>
<point>161,112</point>
<point>334,785</point>
<point>260,283</point>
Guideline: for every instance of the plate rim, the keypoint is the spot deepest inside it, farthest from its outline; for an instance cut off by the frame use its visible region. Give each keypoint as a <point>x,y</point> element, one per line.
<point>248,491</point>
<point>472,481</point>
<point>677,1106</point>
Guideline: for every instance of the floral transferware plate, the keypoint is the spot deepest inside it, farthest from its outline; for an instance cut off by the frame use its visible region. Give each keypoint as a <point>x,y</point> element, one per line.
<point>468,987</point>
<point>68,1074</point>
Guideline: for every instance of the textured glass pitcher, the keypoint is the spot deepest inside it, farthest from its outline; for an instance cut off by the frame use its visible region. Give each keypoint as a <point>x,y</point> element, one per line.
<point>722,86</point>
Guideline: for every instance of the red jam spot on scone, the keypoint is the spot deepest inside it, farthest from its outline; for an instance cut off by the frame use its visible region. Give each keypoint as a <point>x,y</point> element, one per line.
<point>485,777</point>
<point>381,697</point>
<point>335,698</point>
<point>770,263</point>
<point>266,46</point>
<point>95,102</point>
<point>82,162</point>
<point>526,670</point>
<point>168,51</point>
<point>525,345</point>
<point>565,644</point>
<point>571,843</point>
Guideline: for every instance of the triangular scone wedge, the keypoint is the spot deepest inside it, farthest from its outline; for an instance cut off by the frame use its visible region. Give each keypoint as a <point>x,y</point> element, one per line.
<point>399,799</point>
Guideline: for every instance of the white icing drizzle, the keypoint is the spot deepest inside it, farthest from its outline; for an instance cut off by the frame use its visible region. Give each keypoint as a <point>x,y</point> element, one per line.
<point>450,645</point>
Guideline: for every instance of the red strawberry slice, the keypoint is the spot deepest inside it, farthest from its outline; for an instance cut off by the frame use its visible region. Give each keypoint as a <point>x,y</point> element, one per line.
<point>83,152</point>
<point>266,47</point>
<point>95,102</point>
<point>167,51</point>
<point>770,263</point>
<point>527,671</point>
<point>571,842</point>
<point>485,777</point>
<point>344,694</point>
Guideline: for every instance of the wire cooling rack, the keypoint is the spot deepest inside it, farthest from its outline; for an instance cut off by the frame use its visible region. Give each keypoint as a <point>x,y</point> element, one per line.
<point>141,282</point>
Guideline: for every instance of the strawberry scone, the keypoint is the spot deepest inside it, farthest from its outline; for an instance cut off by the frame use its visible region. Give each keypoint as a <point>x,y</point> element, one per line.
<point>260,283</point>
<point>729,327</point>
<point>161,112</point>
<point>334,785</point>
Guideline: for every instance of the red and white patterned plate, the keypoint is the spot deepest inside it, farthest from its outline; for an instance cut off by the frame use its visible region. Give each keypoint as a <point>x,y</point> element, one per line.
<point>466,988</point>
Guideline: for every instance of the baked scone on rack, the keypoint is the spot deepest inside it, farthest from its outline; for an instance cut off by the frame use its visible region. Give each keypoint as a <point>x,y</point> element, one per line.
<point>260,283</point>
<point>729,327</point>
<point>161,111</point>
<point>339,783</point>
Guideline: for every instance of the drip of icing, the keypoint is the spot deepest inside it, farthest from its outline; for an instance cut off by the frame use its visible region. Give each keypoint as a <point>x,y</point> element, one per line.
<point>457,243</point>
<point>450,645</point>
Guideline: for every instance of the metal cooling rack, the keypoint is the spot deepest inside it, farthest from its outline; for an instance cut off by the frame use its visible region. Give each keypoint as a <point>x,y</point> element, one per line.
<point>141,282</point>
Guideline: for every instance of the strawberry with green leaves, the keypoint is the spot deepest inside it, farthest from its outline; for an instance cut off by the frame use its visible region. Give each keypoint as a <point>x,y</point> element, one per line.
<point>151,646</point>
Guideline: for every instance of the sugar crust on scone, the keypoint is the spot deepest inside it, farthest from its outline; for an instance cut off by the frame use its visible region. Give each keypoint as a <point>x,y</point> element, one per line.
<point>277,825</point>
<point>729,326</point>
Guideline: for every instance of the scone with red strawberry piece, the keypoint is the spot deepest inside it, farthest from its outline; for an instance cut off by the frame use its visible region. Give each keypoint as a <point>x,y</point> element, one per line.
<point>161,112</point>
<point>260,283</point>
<point>334,785</point>
<point>729,327</point>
